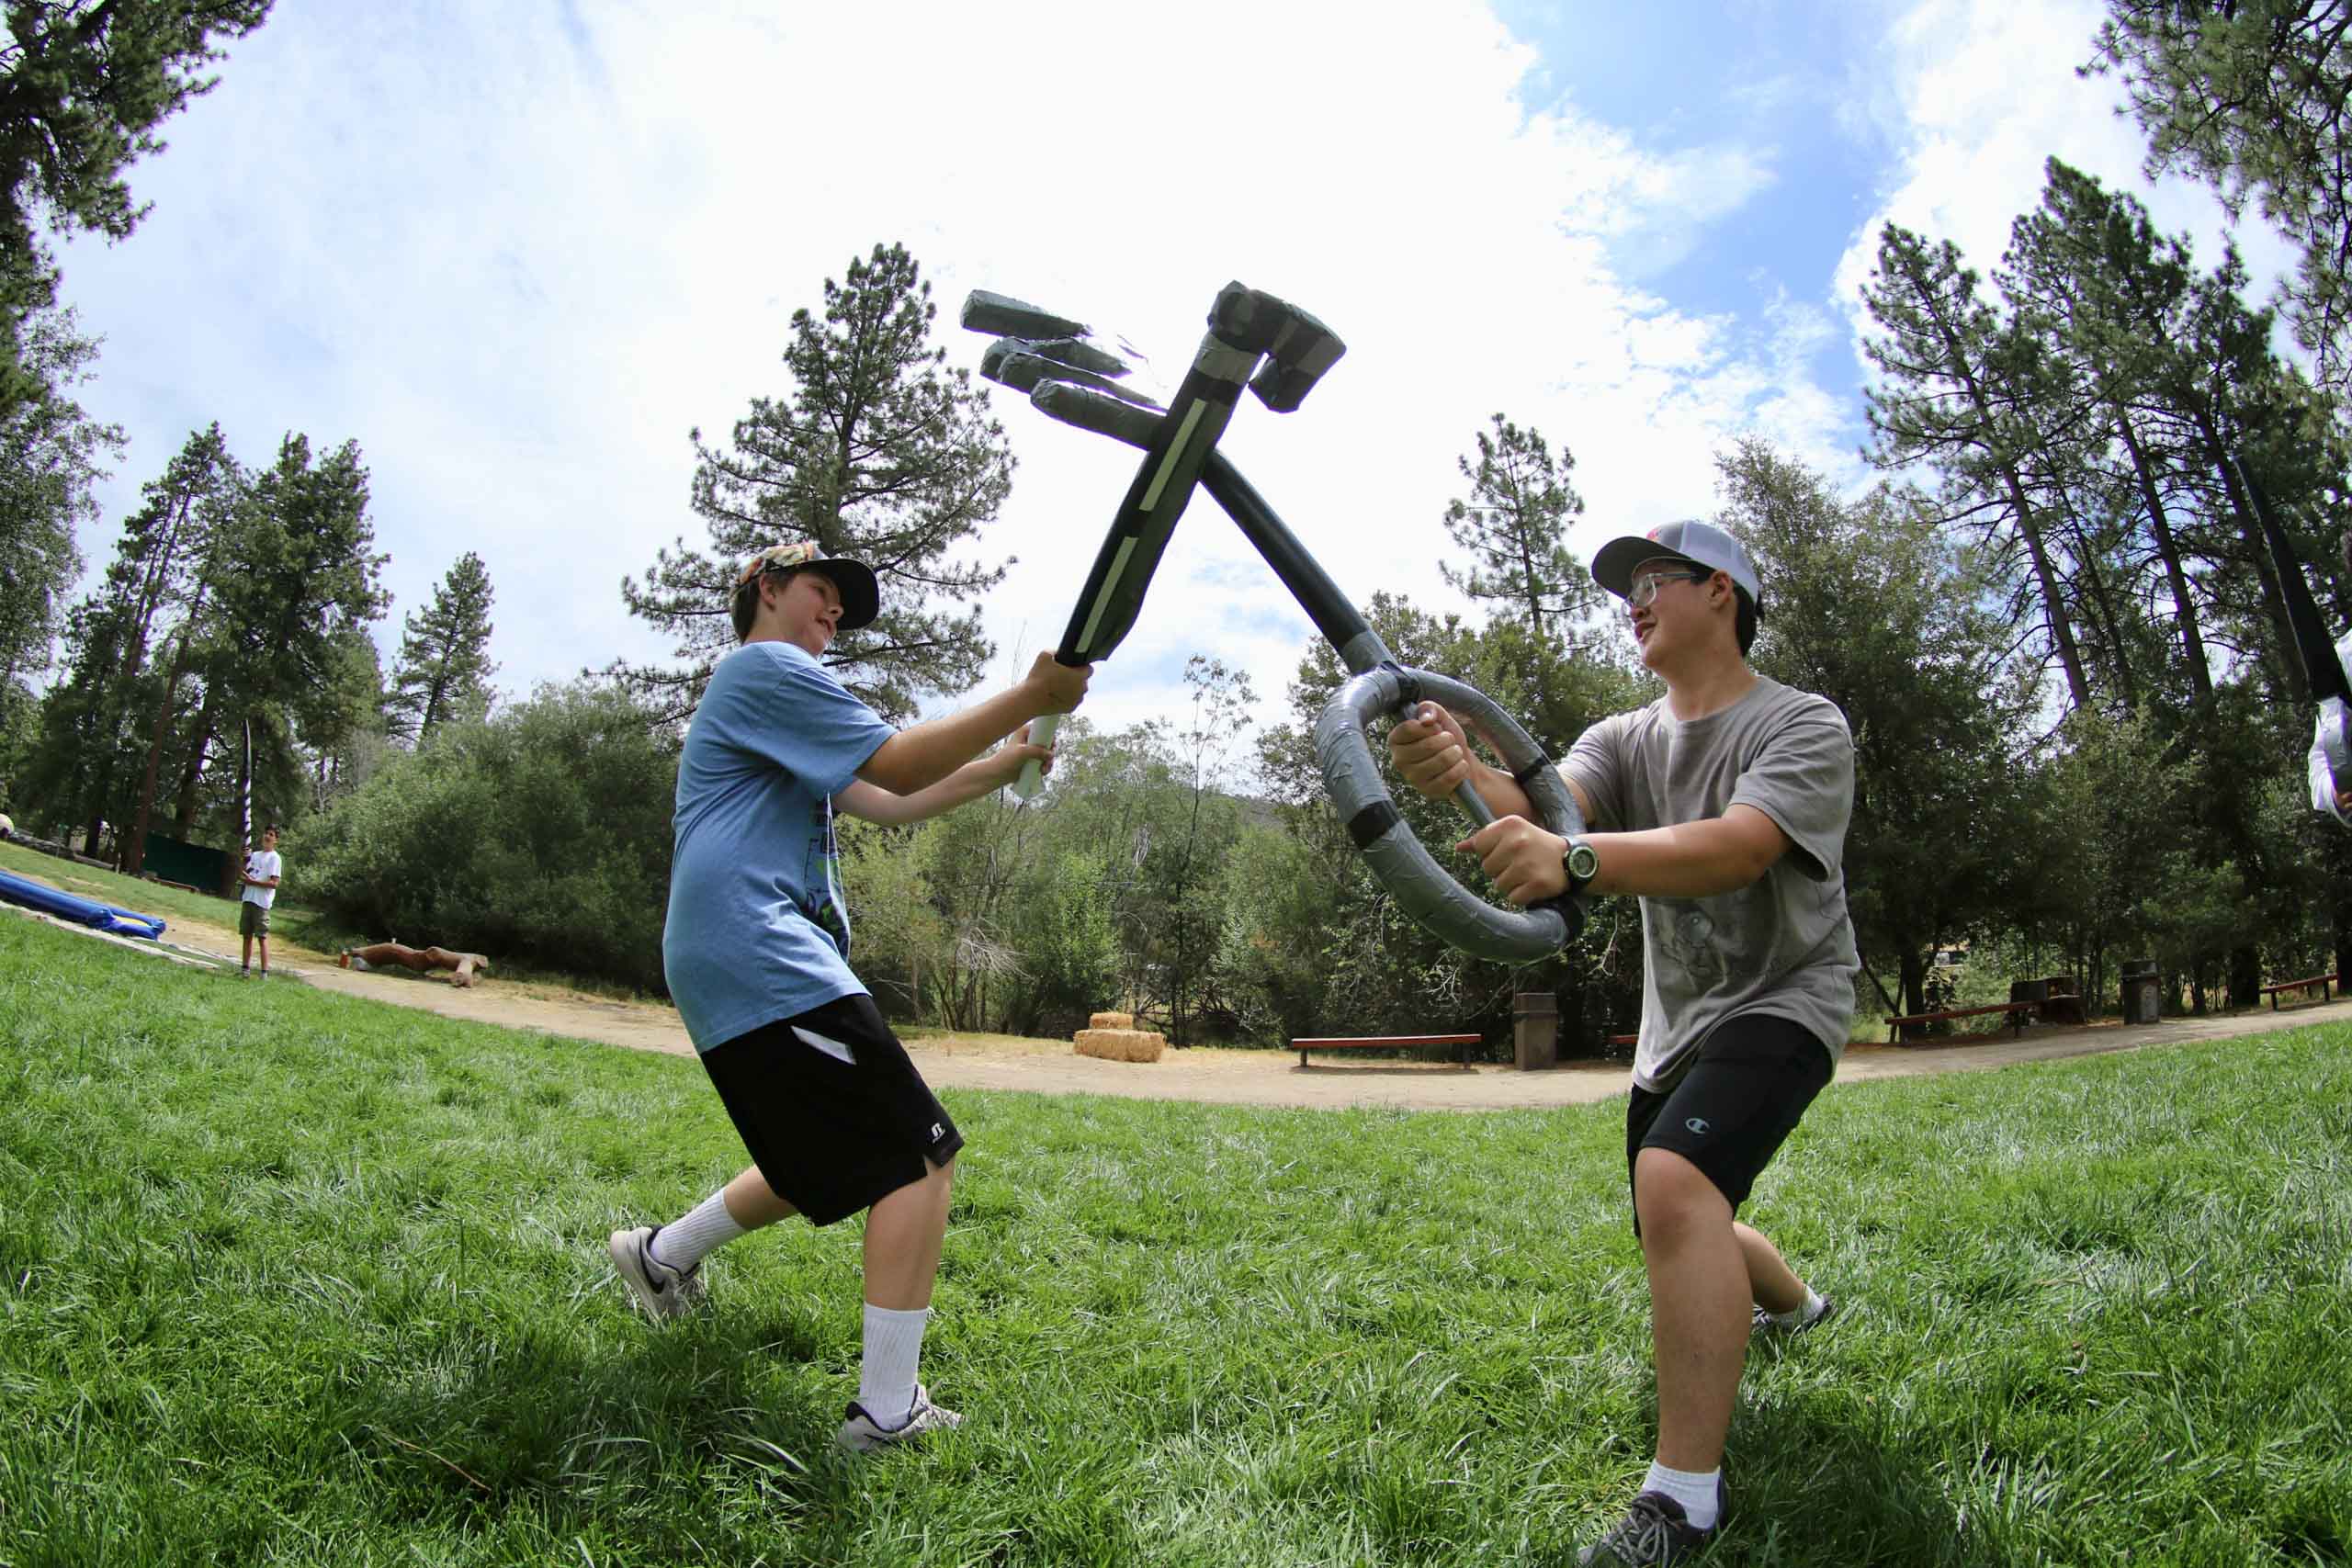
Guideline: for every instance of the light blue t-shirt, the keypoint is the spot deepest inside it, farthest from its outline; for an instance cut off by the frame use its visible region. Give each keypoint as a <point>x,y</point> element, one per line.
<point>758,929</point>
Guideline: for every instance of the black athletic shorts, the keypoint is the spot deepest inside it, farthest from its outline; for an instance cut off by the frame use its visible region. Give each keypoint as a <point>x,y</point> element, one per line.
<point>1731,1110</point>
<point>832,1136</point>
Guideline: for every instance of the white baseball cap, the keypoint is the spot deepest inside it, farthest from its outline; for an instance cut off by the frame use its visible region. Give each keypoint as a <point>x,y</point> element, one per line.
<point>1701,544</point>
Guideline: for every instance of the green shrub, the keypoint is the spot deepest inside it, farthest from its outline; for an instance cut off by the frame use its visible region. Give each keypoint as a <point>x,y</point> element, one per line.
<point>540,835</point>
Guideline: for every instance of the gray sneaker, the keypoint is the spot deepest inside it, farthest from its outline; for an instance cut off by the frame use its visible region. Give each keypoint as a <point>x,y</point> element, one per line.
<point>1654,1531</point>
<point>662,1293</point>
<point>862,1434</point>
<point>1762,1324</point>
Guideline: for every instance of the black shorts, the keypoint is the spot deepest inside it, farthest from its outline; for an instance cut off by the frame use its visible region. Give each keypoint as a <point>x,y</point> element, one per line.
<point>1734,1106</point>
<point>832,1136</point>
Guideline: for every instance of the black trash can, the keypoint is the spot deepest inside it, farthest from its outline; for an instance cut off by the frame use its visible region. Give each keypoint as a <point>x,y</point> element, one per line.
<point>2143,991</point>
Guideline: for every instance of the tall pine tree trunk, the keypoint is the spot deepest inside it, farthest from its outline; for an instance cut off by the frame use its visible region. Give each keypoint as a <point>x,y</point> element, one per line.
<point>184,818</point>
<point>1964,370</point>
<point>2062,629</point>
<point>2288,664</point>
<point>1914,987</point>
<point>2104,615</point>
<point>2192,638</point>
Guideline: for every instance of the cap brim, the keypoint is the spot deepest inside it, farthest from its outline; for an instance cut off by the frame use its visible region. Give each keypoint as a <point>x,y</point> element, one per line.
<point>1614,566</point>
<point>861,595</point>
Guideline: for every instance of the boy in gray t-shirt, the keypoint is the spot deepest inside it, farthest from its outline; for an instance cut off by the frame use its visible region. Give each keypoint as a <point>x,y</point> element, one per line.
<point>1723,806</point>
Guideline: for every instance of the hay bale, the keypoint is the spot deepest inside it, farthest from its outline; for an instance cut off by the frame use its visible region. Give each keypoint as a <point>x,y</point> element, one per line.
<point>1121,1045</point>
<point>1111,1020</point>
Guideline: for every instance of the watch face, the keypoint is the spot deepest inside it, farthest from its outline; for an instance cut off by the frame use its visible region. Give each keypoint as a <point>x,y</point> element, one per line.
<point>1582,861</point>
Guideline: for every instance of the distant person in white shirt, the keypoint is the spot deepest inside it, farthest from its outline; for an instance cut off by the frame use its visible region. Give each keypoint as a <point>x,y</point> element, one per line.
<point>263,869</point>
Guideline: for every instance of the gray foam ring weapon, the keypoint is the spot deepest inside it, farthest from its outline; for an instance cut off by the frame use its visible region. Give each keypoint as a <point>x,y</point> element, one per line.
<point>2322,670</point>
<point>1066,378</point>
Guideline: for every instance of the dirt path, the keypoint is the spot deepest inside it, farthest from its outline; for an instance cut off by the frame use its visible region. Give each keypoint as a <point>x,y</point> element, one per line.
<point>1219,1076</point>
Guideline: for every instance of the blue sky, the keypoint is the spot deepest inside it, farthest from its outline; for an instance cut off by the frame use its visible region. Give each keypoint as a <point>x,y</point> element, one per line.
<point>519,252</point>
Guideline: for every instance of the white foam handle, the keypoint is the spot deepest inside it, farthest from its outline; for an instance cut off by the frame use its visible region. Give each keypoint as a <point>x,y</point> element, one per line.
<point>1033,777</point>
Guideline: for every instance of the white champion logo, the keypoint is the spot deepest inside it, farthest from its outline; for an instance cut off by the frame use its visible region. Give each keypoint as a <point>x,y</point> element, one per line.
<point>937,1131</point>
<point>1697,1125</point>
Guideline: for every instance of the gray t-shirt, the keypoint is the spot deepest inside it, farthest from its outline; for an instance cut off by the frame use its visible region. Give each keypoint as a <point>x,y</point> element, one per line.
<point>1782,945</point>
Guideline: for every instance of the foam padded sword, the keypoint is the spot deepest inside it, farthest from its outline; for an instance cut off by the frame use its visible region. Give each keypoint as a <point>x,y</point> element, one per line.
<point>1254,340</point>
<point>2322,670</point>
<point>1296,350</point>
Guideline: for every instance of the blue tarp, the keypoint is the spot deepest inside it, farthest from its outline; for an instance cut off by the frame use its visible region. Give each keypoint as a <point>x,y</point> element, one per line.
<point>81,911</point>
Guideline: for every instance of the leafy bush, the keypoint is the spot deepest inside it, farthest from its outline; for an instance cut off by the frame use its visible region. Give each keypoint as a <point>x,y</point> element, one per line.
<point>540,835</point>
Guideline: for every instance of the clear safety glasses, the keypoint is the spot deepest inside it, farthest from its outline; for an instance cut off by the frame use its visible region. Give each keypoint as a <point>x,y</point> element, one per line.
<point>1645,586</point>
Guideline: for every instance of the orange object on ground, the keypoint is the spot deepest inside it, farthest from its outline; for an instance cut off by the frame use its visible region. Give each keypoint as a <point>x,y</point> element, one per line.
<point>462,965</point>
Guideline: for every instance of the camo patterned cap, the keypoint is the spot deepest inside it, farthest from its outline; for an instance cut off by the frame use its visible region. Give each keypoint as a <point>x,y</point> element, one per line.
<point>861,595</point>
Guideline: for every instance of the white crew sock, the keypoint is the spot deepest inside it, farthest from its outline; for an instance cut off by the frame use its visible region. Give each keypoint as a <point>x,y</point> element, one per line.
<point>682,1244</point>
<point>1803,1315</point>
<point>886,1379</point>
<point>1699,1495</point>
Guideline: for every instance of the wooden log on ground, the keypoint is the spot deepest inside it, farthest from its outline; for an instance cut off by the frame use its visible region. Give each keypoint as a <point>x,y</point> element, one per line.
<point>461,965</point>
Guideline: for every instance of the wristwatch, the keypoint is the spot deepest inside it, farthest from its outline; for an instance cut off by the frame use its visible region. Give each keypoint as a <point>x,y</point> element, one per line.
<point>1580,862</point>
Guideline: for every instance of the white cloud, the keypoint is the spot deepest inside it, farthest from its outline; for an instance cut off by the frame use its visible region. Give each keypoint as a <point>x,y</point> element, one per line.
<point>518,262</point>
<point>1973,96</point>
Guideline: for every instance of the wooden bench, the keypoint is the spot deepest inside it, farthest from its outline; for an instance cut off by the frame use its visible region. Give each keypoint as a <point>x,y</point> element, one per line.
<point>1336,1044</point>
<point>2322,981</point>
<point>2017,1011</point>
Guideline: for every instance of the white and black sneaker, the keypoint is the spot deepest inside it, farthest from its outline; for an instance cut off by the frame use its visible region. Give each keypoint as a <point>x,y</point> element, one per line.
<point>862,1434</point>
<point>662,1293</point>
<point>1763,1325</point>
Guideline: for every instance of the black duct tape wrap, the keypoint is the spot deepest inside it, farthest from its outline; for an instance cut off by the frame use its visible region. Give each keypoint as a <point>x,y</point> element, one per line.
<point>1424,889</point>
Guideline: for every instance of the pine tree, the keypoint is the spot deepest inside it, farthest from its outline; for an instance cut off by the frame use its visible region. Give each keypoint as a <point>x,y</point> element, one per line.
<point>2250,95</point>
<point>293,573</point>
<point>2228,395</point>
<point>51,456</point>
<point>445,667</point>
<point>84,84</point>
<point>882,453</point>
<point>1960,390</point>
<point>2114,294</point>
<point>1521,503</point>
<point>96,731</point>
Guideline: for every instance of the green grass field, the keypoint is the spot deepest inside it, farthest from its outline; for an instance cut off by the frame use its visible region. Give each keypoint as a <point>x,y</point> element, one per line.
<point>286,1277</point>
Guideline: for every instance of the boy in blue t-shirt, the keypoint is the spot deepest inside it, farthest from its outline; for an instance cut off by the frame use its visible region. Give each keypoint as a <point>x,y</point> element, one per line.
<point>756,952</point>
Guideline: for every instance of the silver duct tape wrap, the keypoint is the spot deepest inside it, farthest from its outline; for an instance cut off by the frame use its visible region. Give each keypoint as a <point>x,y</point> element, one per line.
<point>1424,889</point>
<point>1009,362</point>
<point>1090,410</point>
<point>1365,652</point>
